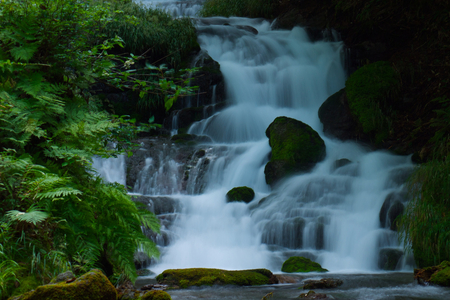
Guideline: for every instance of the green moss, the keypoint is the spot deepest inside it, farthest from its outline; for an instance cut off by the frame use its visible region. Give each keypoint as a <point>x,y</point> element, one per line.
<point>200,276</point>
<point>27,284</point>
<point>442,276</point>
<point>368,90</point>
<point>241,193</point>
<point>295,147</point>
<point>93,285</point>
<point>156,295</point>
<point>298,264</point>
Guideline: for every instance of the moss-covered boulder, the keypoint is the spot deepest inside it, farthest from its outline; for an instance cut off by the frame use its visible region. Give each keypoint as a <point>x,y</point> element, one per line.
<point>183,278</point>
<point>241,193</point>
<point>298,264</point>
<point>369,91</point>
<point>439,275</point>
<point>296,147</point>
<point>93,285</point>
<point>156,295</point>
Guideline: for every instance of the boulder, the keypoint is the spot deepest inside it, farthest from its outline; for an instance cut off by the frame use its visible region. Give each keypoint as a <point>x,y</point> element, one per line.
<point>241,193</point>
<point>337,119</point>
<point>183,278</point>
<point>93,285</point>
<point>388,259</point>
<point>296,147</point>
<point>439,275</point>
<point>324,283</point>
<point>313,295</point>
<point>156,295</point>
<point>63,277</point>
<point>298,264</point>
<point>392,208</point>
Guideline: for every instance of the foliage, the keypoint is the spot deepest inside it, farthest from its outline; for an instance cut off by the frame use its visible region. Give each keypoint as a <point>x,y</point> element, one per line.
<point>369,90</point>
<point>238,8</point>
<point>56,214</point>
<point>151,31</point>
<point>424,225</point>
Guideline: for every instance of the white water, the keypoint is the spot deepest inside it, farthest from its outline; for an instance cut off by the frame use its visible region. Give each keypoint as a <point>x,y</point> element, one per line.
<point>277,73</point>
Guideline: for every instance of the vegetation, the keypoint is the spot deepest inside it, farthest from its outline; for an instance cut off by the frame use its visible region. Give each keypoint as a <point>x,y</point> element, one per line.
<point>298,264</point>
<point>56,214</point>
<point>239,8</point>
<point>183,278</point>
<point>369,91</point>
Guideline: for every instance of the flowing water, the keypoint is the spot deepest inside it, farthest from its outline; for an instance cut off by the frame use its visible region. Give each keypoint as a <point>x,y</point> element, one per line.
<point>331,214</point>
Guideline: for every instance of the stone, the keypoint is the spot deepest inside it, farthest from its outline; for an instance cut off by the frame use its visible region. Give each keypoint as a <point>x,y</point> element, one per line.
<point>324,283</point>
<point>156,295</point>
<point>313,295</point>
<point>242,193</point>
<point>296,147</point>
<point>337,119</point>
<point>388,258</point>
<point>298,264</point>
<point>392,208</point>
<point>436,275</point>
<point>93,285</point>
<point>63,277</point>
<point>183,278</point>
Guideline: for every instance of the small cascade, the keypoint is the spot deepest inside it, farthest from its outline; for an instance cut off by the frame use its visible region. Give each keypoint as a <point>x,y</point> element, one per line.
<point>340,214</point>
<point>112,169</point>
<point>177,8</point>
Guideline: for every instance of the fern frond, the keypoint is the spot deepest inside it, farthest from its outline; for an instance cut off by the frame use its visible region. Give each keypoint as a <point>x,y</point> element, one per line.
<point>33,216</point>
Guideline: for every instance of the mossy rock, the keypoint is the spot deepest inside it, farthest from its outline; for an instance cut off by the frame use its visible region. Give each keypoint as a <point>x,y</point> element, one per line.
<point>296,147</point>
<point>241,193</point>
<point>156,295</point>
<point>93,285</point>
<point>369,90</point>
<point>298,264</point>
<point>438,275</point>
<point>183,278</point>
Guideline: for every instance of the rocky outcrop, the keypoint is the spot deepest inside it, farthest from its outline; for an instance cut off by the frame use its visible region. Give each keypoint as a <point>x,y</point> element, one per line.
<point>241,193</point>
<point>392,208</point>
<point>324,283</point>
<point>93,285</point>
<point>298,264</point>
<point>439,275</point>
<point>183,278</point>
<point>296,147</point>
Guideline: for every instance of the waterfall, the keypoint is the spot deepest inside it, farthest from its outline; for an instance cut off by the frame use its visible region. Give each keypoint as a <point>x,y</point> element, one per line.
<point>331,214</point>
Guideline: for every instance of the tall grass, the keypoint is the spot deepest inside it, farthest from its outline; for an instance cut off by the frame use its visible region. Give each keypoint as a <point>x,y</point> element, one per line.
<point>151,31</point>
<point>239,8</point>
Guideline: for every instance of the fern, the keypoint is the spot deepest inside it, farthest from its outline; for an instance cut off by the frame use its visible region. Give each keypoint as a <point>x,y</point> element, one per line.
<point>32,216</point>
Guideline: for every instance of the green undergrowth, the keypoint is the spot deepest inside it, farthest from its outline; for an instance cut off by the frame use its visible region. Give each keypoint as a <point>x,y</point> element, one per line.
<point>151,31</point>
<point>184,278</point>
<point>239,8</point>
<point>369,91</point>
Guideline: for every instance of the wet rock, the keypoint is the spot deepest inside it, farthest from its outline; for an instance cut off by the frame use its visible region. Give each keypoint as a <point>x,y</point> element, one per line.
<point>183,278</point>
<point>438,275</point>
<point>248,28</point>
<point>159,205</point>
<point>93,285</point>
<point>298,264</point>
<point>392,208</point>
<point>389,258</point>
<point>313,295</point>
<point>296,147</point>
<point>286,279</point>
<point>337,119</point>
<point>324,283</point>
<point>341,163</point>
<point>287,233</point>
<point>241,193</point>
<point>156,295</point>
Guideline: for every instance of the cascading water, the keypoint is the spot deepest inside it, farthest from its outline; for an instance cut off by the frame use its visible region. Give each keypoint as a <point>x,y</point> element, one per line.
<point>331,214</point>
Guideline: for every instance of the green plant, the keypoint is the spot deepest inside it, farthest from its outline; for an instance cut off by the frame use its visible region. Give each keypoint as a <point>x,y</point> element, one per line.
<point>239,8</point>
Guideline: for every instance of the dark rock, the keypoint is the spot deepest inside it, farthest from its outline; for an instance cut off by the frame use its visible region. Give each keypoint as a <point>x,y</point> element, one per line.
<point>313,295</point>
<point>247,28</point>
<point>200,153</point>
<point>341,163</point>
<point>324,283</point>
<point>392,208</point>
<point>388,259</point>
<point>394,211</point>
<point>298,264</point>
<point>159,205</point>
<point>337,119</point>
<point>287,233</point>
<point>241,193</point>
<point>296,147</point>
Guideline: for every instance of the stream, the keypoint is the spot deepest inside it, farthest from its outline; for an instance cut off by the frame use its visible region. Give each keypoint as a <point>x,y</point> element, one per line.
<point>330,215</point>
